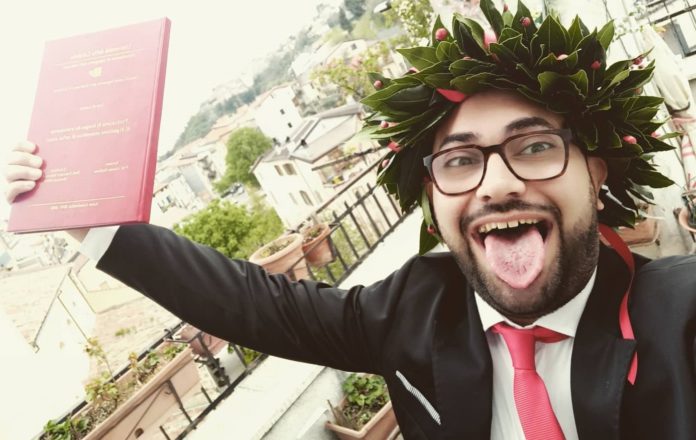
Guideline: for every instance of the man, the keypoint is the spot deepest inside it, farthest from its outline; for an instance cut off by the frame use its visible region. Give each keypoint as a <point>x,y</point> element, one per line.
<point>523,330</point>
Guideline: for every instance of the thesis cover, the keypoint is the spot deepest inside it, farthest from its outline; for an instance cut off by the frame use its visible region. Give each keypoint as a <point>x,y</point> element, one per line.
<point>96,122</point>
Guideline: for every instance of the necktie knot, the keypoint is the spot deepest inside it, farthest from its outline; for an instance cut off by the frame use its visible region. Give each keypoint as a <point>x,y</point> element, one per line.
<point>520,342</point>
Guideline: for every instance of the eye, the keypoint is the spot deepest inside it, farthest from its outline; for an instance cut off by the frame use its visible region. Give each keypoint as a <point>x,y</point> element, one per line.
<point>537,147</point>
<point>459,161</point>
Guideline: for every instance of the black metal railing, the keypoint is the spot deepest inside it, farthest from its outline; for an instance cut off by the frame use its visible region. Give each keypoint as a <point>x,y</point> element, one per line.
<point>207,358</point>
<point>679,19</point>
<point>357,227</point>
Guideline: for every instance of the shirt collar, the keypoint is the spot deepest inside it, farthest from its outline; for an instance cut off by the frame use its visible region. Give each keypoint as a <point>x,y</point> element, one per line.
<point>563,320</point>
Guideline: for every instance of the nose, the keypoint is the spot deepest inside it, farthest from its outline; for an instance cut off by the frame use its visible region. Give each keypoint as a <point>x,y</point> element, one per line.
<point>499,183</point>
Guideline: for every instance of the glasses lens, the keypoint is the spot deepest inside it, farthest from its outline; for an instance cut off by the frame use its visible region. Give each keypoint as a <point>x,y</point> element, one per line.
<point>458,170</point>
<point>537,156</point>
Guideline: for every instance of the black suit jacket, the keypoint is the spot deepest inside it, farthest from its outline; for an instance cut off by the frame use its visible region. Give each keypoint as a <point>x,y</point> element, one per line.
<point>420,329</point>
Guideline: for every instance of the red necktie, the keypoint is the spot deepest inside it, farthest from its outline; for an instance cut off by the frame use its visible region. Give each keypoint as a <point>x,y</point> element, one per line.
<point>531,399</point>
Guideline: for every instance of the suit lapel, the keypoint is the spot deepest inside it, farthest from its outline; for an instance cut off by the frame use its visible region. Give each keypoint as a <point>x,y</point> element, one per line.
<point>601,357</point>
<point>462,369</point>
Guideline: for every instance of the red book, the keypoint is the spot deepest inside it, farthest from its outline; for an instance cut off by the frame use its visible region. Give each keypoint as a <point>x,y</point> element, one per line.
<point>96,122</point>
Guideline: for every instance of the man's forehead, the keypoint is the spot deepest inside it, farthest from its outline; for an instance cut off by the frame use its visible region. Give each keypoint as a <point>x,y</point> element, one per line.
<point>488,116</point>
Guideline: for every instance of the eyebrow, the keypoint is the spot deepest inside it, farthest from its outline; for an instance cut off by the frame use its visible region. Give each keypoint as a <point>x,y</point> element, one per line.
<point>517,124</point>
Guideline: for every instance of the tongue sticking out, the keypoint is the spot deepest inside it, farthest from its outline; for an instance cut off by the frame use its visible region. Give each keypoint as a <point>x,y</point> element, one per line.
<point>516,258</point>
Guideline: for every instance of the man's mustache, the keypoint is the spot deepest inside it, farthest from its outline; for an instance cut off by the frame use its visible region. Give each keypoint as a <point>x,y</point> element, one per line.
<point>511,205</point>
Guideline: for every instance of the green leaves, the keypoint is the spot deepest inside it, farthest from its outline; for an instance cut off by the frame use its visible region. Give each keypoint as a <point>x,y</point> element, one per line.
<point>420,57</point>
<point>554,36</point>
<point>495,19</point>
<point>469,37</point>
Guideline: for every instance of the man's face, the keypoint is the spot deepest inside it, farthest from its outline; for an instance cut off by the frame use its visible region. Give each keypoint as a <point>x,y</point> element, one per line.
<point>544,246</point>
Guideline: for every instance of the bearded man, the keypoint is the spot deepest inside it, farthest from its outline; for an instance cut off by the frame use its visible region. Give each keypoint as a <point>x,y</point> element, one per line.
<point>521,146</point>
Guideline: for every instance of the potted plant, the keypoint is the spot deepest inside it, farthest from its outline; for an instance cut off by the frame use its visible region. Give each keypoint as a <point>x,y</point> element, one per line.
<point>134,404</point>
<point>316,244</point>
<point>282,255</point>
<point>687,215</point>
<point>643,232</point>
<point>365,412</point>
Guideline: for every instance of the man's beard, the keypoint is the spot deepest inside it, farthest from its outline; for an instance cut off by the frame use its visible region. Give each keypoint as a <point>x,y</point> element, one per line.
<point>568,274</point>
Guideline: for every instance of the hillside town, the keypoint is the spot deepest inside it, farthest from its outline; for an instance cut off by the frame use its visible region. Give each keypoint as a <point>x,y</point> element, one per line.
<point>54,301</point>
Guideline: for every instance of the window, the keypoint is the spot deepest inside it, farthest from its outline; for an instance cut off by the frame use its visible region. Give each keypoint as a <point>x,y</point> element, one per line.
<point>279,170</point>
<point>289,124</point>
<point>293,199</point>
<point>282,112</point>
<point>289,169</point>
<point>306,199</point>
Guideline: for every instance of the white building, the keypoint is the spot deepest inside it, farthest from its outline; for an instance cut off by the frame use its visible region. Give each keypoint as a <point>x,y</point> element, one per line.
<point>301,175</point>
<point>275,113</point>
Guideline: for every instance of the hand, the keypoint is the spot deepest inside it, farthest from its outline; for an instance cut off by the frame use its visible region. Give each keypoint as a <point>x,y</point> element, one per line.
<point>22,171</point>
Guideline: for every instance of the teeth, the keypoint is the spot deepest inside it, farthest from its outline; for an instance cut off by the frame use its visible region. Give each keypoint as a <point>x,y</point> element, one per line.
<point>488,227</point>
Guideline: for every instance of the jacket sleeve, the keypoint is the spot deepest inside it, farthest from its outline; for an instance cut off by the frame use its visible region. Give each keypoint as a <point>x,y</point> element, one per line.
<point>239,302</point>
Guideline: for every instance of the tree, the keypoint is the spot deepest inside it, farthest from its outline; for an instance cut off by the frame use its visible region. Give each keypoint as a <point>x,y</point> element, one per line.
<point>343,20</point>
<point>244,146</point>
<point>232,229</point>
<point>415,16</point>
<point>351,76</point>
<point>355,7</point>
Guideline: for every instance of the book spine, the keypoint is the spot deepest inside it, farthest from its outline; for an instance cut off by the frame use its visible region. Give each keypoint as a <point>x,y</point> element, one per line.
<point>150,166</point>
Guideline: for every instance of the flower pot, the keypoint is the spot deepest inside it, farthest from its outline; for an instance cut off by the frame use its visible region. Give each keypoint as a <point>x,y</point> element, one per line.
<point>288,260</point>
<point>684,221</point>
<point>317,250</point>
<point>202,345</point>
<point>380,427</point>
<point>644,232</point>
<point>141,415</point>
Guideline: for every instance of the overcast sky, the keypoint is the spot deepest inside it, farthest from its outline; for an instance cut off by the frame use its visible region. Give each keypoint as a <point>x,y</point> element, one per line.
<point>211,42</point>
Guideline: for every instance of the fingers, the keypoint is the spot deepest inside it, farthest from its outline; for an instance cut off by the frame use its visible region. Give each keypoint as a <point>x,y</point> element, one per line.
<point>15,173</point>
<point>16,188</point>
<point>24,159</point>
<point>22,170</point>
<point>24,146</point>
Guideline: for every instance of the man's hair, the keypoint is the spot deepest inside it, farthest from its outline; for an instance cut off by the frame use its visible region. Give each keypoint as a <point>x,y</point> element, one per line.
<point>562,69</point>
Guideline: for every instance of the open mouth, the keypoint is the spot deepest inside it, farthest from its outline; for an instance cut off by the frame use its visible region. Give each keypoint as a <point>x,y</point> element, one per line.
<point>512,229</point>
<point>515,250</point>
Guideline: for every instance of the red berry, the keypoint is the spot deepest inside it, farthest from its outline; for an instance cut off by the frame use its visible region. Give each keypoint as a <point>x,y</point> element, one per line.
<point>378,84</point>
<point>441,34</point>
<point>561,57</point>
<point>394,147</point>
<point>596,65</point>
<point>466,57</point>
<point>629,139</point>
<point>431,229</point>
<point>489,37</point>
<point>385,163</point>
<point>526,21</point>
<point>505,7</point>
<point>412,70</point>
<point>383,124</point>
<point>637,60</point>
<point>655,134</point>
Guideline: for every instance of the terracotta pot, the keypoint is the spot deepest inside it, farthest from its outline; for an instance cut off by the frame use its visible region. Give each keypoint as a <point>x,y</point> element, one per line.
<point>141,415</point>
<point>683,221</point>
<point>212,343</point>
<point>643,232</point>
<point>380,427</point>
<point>318,250</point>
<point>284,260</point>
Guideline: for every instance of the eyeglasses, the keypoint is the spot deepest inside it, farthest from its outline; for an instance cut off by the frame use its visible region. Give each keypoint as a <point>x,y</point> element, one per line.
<point>539,155</point>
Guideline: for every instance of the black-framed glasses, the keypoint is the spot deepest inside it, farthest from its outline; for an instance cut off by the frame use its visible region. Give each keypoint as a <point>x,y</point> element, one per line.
<point>538,155</point>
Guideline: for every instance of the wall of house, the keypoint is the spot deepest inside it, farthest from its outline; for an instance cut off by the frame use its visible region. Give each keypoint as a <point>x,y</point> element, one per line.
<point>277,115</point>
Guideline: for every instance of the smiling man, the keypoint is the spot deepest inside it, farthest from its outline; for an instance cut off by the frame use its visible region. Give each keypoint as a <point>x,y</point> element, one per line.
<point>521,146</point>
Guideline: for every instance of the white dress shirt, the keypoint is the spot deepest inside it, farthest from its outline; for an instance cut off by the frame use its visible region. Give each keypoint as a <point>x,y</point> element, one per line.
<point>552,360</point>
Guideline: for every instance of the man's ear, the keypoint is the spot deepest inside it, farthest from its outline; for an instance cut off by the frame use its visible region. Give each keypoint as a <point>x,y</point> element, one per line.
<point>598,170</point>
